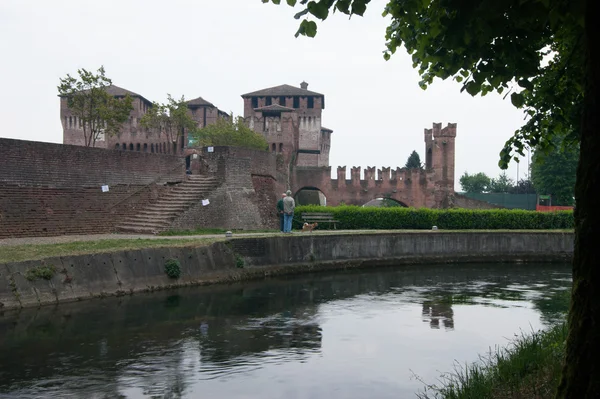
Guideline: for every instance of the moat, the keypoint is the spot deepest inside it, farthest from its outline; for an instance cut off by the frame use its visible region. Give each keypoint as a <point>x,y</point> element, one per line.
<point>345,334</point>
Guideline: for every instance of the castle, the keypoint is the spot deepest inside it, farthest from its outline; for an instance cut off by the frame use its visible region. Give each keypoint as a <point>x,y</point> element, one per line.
<point>288,117</point>
<point>290,120</point>
<point>133,136</point>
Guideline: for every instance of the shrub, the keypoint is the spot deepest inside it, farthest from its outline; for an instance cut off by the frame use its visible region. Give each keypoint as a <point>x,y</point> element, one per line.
<point>173,268</point>
<point>40,272</point>
<point>239,261</point>
<point>356,217</point>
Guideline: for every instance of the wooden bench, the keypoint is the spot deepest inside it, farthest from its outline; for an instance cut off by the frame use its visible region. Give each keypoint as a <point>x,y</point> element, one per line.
<point>319,217</point>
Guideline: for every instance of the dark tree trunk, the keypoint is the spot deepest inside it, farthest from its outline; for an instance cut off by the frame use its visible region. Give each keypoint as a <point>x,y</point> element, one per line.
<point>581,373</point>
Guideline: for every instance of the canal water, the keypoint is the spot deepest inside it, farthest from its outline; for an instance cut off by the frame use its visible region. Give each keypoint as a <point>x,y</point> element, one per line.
<point>359,334</point>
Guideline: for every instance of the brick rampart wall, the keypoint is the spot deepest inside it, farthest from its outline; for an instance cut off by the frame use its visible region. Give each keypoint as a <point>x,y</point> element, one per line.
<point>245,198</point>
<point>52,189</point>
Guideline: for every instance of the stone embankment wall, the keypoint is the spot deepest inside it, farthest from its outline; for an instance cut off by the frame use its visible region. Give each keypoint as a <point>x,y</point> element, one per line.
<point>126,272</point>
<point>52,189</point>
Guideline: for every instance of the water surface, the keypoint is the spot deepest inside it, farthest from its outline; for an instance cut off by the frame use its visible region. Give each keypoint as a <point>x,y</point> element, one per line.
<point>340,335</point>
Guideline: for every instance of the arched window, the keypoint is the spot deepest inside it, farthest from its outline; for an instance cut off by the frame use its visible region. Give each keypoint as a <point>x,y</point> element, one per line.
<point>138,147</point>
<point>152,148</point>
<point>280,147</point>
<point>273,147</point>
<point>70,122</point>
<point>145,147</point>
<point>174,148</point>
<point>124,146</point>
<point>117,146</point>
<point>130,146</point>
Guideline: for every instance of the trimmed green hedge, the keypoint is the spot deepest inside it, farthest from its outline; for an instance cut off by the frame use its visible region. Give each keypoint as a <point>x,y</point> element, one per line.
<point>356,217</point>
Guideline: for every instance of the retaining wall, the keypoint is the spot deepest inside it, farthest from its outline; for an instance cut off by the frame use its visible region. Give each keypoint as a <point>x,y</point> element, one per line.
<point>127,272</point>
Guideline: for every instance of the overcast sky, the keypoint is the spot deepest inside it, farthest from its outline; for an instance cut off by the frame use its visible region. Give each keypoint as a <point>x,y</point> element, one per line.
<point>220,49</point>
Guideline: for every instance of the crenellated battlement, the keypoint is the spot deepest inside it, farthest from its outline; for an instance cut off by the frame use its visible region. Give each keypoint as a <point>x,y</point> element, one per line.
<point>429,187</point>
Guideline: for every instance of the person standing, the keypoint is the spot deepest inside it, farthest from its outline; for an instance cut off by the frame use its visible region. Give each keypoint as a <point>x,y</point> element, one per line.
<point>288,211</point>
<point>280,212</point>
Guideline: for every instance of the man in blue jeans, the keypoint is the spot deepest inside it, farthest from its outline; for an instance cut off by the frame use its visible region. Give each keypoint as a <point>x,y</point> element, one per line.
<point>288,212</point>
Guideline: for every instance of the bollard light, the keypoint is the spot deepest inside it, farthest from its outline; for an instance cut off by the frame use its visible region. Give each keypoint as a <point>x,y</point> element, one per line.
<point>434,228</point>
<point>228,234</point>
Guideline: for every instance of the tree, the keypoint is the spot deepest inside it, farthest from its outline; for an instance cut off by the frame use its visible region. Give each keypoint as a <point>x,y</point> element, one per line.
<point>414,161</point>
<point>546,53</point>
<point>477,183</point>
<point>171,119</point>
<point>503,184</point>
<point>87,99</point>
<point>523,186</point>
<point>554,172</point>
<point>233,133</point>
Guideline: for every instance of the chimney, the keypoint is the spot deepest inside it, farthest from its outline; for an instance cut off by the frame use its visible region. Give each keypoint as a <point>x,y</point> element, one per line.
<point>304,85</point>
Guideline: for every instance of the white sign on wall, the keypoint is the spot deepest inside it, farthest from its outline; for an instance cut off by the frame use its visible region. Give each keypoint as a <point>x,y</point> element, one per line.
<point>211,149</point>
<point>105,189</point>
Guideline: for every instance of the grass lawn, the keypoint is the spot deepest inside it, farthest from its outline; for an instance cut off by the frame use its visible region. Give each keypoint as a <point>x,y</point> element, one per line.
<point>19,253</point>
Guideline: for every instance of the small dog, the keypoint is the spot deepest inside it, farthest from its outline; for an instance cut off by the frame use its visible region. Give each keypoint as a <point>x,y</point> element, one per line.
<point>309,227</point>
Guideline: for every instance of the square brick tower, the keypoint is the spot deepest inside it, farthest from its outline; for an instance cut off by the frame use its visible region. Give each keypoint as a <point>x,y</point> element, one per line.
<point>439,150</point>
<point>290,120</point>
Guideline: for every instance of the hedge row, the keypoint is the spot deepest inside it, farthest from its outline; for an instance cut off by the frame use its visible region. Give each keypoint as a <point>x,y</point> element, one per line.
<point>356,217</point>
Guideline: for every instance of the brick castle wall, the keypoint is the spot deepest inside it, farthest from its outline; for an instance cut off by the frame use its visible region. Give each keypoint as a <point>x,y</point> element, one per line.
<point>246,196</point>
<point>52,189</point>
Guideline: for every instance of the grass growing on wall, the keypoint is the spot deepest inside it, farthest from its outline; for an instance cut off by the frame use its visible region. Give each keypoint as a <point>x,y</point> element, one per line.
<point>356,217</point>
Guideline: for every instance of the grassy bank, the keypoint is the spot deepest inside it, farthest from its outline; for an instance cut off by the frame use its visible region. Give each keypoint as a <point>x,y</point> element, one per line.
<point>529,367</point>
<point>18,253</point>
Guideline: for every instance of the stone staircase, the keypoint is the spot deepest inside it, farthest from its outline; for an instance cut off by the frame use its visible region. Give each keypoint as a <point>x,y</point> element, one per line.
<point>158,215</point>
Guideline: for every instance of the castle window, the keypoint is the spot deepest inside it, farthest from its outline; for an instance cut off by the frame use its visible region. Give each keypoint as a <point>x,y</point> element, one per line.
<point>70,122</point>
<point>117,146</point>
<point>280,147</point>
<point>254,102</point>
<point>138,147</point>
<point>269,100</point>
<point>282,101</point>
<point>273,147</point>
<point>145,147</point>
<point>124,146</point>
<point>296,102</point>
<point>152,148</point>
<point>130,146</point>
<point>311,102</point>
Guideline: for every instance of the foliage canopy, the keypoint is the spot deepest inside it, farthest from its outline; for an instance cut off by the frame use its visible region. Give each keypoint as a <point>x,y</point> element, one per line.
<point>233,133</point>
<point>171,119</point>
<point>554,173</point>
<point>99,113</point>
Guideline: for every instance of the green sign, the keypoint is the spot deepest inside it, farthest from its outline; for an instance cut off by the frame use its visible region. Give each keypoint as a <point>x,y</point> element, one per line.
<point>545,197</point>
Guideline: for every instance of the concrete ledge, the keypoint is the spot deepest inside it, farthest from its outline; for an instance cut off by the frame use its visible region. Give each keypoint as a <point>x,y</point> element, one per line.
<point>126,272</point>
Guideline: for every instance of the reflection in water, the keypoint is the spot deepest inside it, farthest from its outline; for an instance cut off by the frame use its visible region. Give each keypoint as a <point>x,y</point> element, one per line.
<point>350,334</point>
<point>434,312</point>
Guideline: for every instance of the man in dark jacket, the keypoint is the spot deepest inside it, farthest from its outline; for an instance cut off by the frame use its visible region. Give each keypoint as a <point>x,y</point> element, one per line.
<point>280,211</point>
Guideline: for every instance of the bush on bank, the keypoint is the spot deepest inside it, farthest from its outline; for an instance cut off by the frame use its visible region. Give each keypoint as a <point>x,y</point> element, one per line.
<point>356,217</point>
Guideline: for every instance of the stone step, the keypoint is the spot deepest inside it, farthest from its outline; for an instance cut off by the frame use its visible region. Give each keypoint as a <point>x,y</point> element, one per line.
<point>135,229</point>
<point>144,224</point>
<point>149,219</point>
